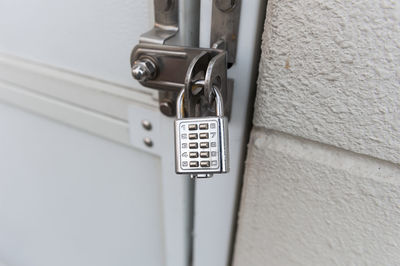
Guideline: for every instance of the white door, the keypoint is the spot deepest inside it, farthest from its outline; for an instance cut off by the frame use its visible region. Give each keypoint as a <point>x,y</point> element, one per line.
<point>78,185</point>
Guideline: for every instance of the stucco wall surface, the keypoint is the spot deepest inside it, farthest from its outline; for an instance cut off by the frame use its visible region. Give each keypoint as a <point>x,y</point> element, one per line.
<point>322,178</point>
<point>306,203</point>
<point>330,72</point>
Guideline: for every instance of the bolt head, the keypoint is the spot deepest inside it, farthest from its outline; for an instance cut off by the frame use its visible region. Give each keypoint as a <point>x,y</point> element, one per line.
<point>146,124</point>
<point>148,142</point>
<point>167,108</point>
<point>144,69</point>
<point>138,72</point>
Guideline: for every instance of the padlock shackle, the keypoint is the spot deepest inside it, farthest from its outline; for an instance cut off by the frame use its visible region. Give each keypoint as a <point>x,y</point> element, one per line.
<point>179,104</point>
<point>219,104</point>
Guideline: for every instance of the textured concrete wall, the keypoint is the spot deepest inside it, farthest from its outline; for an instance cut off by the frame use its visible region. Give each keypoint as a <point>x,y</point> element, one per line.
<point>330,72</point>
<point>322,180</point>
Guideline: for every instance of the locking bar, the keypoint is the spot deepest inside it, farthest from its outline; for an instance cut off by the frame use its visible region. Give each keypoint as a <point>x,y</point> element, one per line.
<point>168,64</point>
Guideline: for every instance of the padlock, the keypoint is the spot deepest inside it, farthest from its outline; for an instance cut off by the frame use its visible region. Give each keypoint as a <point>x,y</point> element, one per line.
<point>201,143</point>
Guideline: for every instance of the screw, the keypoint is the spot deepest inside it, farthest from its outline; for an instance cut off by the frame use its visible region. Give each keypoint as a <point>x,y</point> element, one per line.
<point>166,108</point>
<point>148,142</point>
<point>144,69</point>
<point>146,124</point>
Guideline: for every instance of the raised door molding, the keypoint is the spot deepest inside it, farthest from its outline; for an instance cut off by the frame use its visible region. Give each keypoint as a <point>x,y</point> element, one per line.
<point>90,104</point>
<point>113,112</point>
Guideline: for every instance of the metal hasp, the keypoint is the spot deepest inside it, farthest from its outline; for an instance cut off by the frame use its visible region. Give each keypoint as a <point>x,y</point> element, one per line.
<point>172,64</point>
<point>177,67</point>
<point>171,68</point>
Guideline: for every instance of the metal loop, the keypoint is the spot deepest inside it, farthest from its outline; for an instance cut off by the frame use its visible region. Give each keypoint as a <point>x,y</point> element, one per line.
<point>179,104</point>
<point>219,104</point>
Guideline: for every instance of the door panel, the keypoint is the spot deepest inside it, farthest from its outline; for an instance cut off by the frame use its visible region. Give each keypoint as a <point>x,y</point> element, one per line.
<point>69,198</point>
<point>69,61</point>
<point>91,37</point>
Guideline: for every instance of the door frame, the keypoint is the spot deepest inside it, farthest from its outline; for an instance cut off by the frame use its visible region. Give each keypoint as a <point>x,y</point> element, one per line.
<point>216,199</point>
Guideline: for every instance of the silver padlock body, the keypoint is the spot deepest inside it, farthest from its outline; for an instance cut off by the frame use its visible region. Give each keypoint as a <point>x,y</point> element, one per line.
<point>201,145</point>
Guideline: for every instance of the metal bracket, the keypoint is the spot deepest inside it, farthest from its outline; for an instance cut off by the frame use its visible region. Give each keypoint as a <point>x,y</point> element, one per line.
<point>225,26</point>
<point>165,22</point>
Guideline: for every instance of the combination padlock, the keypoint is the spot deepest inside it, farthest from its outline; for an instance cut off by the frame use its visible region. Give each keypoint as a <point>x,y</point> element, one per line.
<point>201,143</point>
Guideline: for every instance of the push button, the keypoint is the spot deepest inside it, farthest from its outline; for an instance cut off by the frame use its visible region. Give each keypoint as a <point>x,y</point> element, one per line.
<point>205,163</point>
<point>193,154</point>
<point>194,164</point>
<point>193,136</point>
<point>202,135</point>
<point>203,145</point>
<point>203,126</point>
<point>192,127</point>
<point>193,145</point>
<point>204,154</point>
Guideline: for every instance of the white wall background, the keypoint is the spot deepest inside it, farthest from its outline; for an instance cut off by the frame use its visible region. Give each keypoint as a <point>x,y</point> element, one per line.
<point>322,181</point>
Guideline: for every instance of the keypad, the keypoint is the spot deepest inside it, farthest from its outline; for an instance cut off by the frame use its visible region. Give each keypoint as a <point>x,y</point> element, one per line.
<point>199,144</point>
